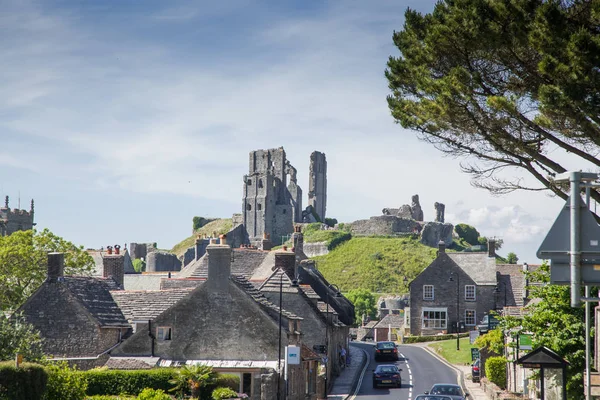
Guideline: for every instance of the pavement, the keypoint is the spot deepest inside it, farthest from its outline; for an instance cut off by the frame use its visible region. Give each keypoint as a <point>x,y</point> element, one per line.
<point>345,384</point>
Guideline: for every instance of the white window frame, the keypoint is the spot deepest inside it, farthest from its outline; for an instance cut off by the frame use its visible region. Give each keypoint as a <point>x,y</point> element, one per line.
<point>164,333</point>
<point>474,322</point>
<point>467,298</point>
<point>425,287</point>
<point>434,323</point>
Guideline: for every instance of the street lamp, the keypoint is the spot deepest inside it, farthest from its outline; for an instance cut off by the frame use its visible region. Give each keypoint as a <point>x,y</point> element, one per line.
<point>497,290</point>
<point>451,279</point>
<point>337,294</point>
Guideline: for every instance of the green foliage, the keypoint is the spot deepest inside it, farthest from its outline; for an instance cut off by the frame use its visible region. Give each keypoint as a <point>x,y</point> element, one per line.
<point>103,381</point>
<point>153,394</point>
<point>501,84</point>
<point>65,383</point>
<point>351,266</point>
<point>511,258</point>
<point>17,336</point>
<point>216,227</point>
<point>435,338</point>
<point>495,371</point>
<point>199,222</point>
<point>111,397</point>
<point>447,349</point>
<point>193,379</point>
<point>24,263</point>
<point>28,382</point>
<point>331,222</point>
<point>224,393</point>
<point>314,233</point>
<point>139,265</point>
<point>364,303</point>
<point>493,341</point>
<point>467,233</point>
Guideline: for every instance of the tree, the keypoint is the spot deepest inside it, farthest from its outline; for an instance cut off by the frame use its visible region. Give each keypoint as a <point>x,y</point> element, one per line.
<point>364,303</point>
<point>17,336</point>
<point>511,258</point>
<point>139,265</point>
<point>502,84</point>
<point>24,263</point>
<point>192,379</point>
<point>467,233</point>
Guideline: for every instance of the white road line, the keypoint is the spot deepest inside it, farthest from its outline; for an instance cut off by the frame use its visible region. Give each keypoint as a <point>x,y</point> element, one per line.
<point>362,375</point>
<point>410,377</point>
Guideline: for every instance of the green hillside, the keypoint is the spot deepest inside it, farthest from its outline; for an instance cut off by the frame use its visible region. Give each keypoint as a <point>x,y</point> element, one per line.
<point>218,226</point>
<point>378,264</point>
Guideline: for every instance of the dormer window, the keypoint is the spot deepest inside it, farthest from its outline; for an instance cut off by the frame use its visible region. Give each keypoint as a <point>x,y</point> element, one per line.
<point>163,333</point>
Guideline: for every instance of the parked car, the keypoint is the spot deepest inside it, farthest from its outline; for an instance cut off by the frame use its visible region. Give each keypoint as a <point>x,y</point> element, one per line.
<point>432,397</point>
<point>488,321</point>
<point>475,370</point>
<point>387,375</point>
<point>386,351</point>
<point>451,390</point>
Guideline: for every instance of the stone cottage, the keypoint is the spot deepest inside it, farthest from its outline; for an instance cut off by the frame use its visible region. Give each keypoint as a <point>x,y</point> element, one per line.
<point>455,287</point>
<point>76,316</point>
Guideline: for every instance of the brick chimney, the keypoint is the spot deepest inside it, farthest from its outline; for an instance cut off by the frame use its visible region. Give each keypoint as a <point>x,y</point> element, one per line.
<point>114,266</point>
<point>56,266</point>
<point>286,260</point>
<point>298,239</point>
<point>491,248</point>
<point>441,248</point>
<point>219,266</point>
<point>265,243</point>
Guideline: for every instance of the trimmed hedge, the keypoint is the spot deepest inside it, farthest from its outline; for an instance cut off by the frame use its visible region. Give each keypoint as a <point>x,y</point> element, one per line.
<point>435,338</point>
<point>28,382</point>
<point>495,371</point>
<point>116,382</point>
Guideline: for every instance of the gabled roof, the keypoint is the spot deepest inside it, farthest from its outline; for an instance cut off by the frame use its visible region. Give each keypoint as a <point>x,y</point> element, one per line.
<point>94,294</point>
<point>97,255</point>
<point>244,263</point>
<point>393,320</point>
<point>480,267</point>
<point>511,278</point>
<point>143,305</point>
<point>260,298</point>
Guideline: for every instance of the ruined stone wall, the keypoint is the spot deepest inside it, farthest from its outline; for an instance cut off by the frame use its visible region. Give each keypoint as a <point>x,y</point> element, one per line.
<point>434,232</point>
<point>317,183</point>
<point>140,250</point>
<point>384,225</point>
<point>158,261</point>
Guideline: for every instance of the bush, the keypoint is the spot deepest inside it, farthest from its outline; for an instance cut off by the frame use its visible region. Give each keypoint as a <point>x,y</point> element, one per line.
<point>331,222</point>
<point>435,338</point>
<point>495,370</point>
<point>339,239</point>
<point>139,265</point>
<point>227,380</point>
<point>116,382</point>
<point>28,382</point>
<point>224,393</point>
<point>153,394</point>
<point>467,233</point>
<point>109,397</point>
<point>65,383</point>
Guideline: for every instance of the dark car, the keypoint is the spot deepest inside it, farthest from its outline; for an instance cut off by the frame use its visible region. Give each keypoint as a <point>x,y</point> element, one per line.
<point>387,375</point>
<point>432,397</point>
<point>386,351</point>
<point>475,370</point>
<point>451,390</point>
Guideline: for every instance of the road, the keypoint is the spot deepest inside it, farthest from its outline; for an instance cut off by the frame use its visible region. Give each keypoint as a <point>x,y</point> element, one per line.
<point>420,370</point>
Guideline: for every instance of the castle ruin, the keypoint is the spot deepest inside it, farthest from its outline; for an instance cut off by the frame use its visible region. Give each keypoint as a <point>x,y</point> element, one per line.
<point>15,220</point>
<point>317,184</point>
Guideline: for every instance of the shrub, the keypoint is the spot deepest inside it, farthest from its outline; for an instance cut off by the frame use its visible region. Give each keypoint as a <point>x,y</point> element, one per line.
<point>139,265</point>
<point>227,380</point>
<point>65,383</point>
<point>110,397</point>
<point>331,222</point>
<point>194,379</point>
<point>153,394</point>
<point>420,339</point>
<point>28,382</point>
<point>467,233</point>
<point>495,370</point>
<point>224,393</point>
<point>116,382</point>
<point>339,239</point>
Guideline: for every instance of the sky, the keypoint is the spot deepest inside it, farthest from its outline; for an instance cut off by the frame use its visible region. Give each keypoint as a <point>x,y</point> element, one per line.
<point>125,119</point>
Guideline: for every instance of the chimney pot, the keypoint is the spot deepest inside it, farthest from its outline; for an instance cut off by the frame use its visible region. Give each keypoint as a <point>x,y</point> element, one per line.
<point>284,248</point>
<point>109,249</point>
<point>223,239</point>
<point>117,249</point>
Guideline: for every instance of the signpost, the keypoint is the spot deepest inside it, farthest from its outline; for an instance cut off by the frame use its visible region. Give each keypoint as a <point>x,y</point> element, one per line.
<point>474,353</point>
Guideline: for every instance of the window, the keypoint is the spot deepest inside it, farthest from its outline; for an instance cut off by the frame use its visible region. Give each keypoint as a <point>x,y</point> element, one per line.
<point>284,210</point>
<point>249,182</point>
<point>470,292</point>
<point>248,207</point>
<point>260,184</point>
<point>434,318</point>
<point>259,206</point>
<point>427,292</point>
<point>163,333</point>
<point>470,317</point>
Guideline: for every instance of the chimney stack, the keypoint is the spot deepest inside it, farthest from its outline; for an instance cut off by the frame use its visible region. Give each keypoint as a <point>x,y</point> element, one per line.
<point>266,243</point>
<point>219,266</point>
<point>200,247</point>
<point>491,248</point>
<point>113,265</point>
<point>441,247</point>
<point>298,239</point>
<point>56,266</point>
<point>286,260</point>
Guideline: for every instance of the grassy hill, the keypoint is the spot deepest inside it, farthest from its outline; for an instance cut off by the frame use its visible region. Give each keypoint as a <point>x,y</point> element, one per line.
<point>218,226</point>
<point>378,264</point>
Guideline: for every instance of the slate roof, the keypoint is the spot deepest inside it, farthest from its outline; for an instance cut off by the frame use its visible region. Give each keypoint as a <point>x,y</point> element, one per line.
<point>393,320</point>
<point>480,267</point>
<point>260,298</point>
<point>94,294</point>
<point>143,305</point>
<point>511,278</point>
<point>229,364</point>
<point>131,363</point>
<point>245,262</point>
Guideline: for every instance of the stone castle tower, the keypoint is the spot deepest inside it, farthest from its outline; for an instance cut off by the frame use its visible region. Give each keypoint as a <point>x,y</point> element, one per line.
<point>317,184</point>
<point>270,205</point>
<point>15,219</point>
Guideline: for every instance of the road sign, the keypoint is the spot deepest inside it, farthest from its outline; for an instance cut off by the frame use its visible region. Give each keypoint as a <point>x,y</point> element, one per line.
<point>474,353</point>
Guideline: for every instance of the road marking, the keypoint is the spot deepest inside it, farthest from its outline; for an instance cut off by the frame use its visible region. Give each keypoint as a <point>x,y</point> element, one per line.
<point>362,375</point>
<point>410,377</point>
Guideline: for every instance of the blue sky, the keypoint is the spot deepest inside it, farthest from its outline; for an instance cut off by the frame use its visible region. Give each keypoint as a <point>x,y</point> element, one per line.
<point>124,119</point>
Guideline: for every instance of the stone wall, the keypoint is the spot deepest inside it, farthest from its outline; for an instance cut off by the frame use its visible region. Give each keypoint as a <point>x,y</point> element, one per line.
<point>140,250</point>
<point>317,184</point>
<point>314,249</point>
<point>158,261</point>
<point>384,225</point>
<point>434,232</point>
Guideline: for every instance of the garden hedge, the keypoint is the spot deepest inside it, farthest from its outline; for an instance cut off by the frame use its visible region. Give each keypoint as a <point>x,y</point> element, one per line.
<point>115,382</point>
<point>434,338</point>
<point>28,382</point>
